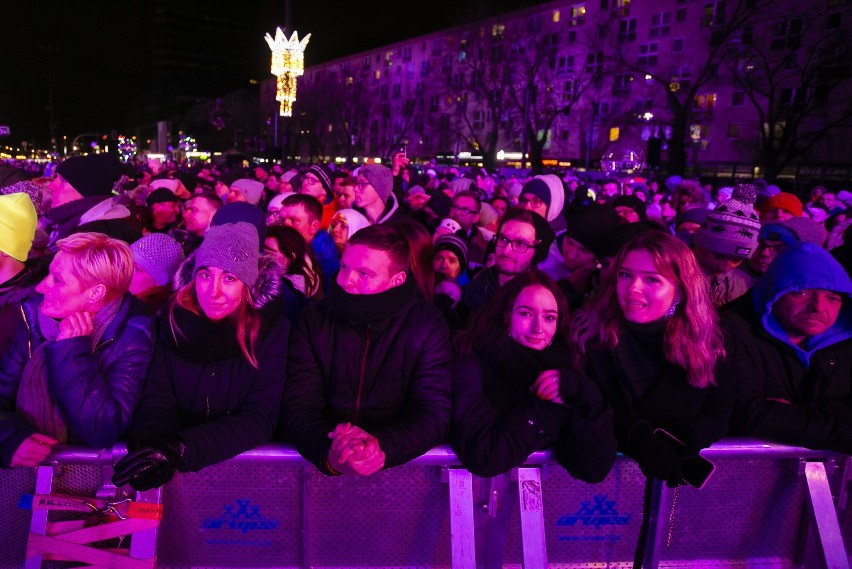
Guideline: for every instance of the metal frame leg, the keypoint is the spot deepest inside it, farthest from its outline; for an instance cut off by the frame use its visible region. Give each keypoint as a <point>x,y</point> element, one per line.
<point>532,518</point>
<point>461,519</point>
<point>38,524</point>
<point>824,515</point>
<point>497,510</point>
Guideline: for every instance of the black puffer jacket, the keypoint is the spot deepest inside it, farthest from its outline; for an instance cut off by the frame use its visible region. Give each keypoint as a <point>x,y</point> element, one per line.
<point>380,362</point>
<point>498,422</point>
<point>202,388</point>
<point>96,389</point>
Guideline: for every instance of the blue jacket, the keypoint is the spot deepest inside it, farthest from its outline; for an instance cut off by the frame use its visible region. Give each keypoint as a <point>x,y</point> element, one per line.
<point>97,390</point>
<point>786,393</point>
<point>327,256</point>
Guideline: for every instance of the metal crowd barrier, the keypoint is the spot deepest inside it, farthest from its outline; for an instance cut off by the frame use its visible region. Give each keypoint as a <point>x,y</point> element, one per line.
<point>767,505</point>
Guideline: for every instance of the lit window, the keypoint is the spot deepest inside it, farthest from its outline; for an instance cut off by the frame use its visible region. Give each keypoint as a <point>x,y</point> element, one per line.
<point>614,132</point>
<point>556,16</point>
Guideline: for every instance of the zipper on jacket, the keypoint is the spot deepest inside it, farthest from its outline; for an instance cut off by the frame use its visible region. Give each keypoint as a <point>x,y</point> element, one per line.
<point>363,370</point>
<point>29,331</point>
<point>102,344</point>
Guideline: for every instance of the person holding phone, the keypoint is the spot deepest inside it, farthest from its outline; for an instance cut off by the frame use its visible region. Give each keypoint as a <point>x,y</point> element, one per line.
<point>650,337</point>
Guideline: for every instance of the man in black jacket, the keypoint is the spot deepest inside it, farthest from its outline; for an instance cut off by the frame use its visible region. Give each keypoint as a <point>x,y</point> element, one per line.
<point>792,351</point>
<point>368,380</point>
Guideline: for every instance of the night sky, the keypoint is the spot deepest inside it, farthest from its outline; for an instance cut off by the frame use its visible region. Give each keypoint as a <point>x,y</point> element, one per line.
<point>93,50</point>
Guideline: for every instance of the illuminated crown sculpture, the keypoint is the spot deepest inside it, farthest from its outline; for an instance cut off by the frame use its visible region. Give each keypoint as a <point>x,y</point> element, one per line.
<point>288,63</point>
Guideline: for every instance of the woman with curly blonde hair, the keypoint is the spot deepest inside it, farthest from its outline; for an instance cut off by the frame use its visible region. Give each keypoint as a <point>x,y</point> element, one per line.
<point>652,341</point>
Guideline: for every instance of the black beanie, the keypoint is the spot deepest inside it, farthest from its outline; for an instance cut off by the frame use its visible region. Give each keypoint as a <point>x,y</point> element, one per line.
<point>624,233</point>
<point>592,227</point>
<point>323,175</point>
<point>92,175</point>
<point>161,195</point>
<point>538,188</point>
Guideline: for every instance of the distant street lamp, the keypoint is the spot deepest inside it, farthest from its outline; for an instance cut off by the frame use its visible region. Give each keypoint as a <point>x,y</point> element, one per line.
<point>288,63</point>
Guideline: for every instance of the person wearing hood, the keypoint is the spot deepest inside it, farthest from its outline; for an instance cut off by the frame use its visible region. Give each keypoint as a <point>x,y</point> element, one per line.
<point>368,384</point>
<point>792,352</point>
<point>522,242</point>
<point>214,387</point>
<point>81,202</point>
<point>545,195</point>
<point>374,195</point>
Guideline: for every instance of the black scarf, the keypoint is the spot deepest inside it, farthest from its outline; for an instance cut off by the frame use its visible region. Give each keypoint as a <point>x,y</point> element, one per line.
<point>640,356</point>
<point>367,308</point>
<point>200,339</point>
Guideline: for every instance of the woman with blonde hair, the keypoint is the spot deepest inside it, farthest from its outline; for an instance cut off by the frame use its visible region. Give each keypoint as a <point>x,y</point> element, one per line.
<point>214,387</point>
<point>652,341</point>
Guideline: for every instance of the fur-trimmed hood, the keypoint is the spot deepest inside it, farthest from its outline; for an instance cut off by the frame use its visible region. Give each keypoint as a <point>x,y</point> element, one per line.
<point>266,288</point>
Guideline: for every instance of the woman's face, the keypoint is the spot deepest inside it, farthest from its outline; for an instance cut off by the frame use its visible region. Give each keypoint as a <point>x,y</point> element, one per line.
<point>339,230</point>
<point>535,318</point>
<point>644,294</point>
<point>219,293</point>
<point>447,263</point>
<point>270,245</point>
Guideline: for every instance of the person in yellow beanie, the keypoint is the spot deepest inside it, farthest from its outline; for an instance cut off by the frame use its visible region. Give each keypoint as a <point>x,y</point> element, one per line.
<point>18,277</point>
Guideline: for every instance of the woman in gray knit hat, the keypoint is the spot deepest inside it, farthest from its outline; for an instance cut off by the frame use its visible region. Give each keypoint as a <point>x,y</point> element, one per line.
<point>214,388</point>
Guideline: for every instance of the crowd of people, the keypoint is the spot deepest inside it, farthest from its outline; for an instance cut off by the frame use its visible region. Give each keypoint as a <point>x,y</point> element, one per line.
<point>366,315</point>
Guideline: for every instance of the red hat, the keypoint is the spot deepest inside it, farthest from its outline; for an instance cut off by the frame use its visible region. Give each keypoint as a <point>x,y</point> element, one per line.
<point>784,201</point>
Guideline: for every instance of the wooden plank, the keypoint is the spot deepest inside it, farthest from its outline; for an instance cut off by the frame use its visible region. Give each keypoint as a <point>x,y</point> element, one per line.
<point>107,531</point>
<point>41,544</point>
<point>825,516</point>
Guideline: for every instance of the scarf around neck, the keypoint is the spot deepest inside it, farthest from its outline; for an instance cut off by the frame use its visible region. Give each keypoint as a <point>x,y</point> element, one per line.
<point>365,308</point>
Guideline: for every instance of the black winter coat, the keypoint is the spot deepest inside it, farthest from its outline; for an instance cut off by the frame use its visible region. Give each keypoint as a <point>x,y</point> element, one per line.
<point>778,398</point>
<point>203,389</point>
<point>386,371</point>
<point>97,388</point>
<point>646,390</point>
<point>498,422</point>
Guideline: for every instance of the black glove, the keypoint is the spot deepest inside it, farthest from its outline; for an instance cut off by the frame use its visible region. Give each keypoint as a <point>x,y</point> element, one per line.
<point>151,465</point>
<point>657,458</point>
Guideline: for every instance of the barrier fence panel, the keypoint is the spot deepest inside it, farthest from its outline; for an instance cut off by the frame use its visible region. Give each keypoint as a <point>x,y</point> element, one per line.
<point>269,508</point>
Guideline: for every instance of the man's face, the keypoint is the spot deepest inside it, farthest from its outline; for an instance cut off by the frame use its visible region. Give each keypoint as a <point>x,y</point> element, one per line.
<point>64,295</point>
<point>575,256</point>
<point>235,195</point>
<point>447,263</point>
<point>165,213</point>
<point>296,217</point>
<point>465,211</point>
<point>515,235</point>
<point>367,271</point>
<point>312,186</point>
<point>767,249</point>
<point>610,189</point>
<point>260,174</point>
<point>197,214</point>
<point>775,214</point>
<point>345,197</point>
<point>365,194</point>
<point>417,201</point>
<point>61,192</point>
<point>533,203</point>
<point>807,313</point>
<point>829,200</point>
<point>627,214</point>
<point>715,264</point>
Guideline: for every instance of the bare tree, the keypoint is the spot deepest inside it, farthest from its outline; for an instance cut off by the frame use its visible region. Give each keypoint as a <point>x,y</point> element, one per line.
<point>800,93</point>
<point>681,84</point>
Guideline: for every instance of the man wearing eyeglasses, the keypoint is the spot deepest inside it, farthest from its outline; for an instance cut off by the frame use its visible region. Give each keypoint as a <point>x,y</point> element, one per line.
<point>465,210</point>
<point>522,241</point>
<point>317,183</point>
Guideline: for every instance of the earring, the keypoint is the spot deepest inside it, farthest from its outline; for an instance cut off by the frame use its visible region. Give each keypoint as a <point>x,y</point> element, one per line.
<point>670,312</point>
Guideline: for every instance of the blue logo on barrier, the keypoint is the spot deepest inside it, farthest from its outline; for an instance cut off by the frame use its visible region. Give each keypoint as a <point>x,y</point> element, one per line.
<point>600,513</point>
<point>243,516</point>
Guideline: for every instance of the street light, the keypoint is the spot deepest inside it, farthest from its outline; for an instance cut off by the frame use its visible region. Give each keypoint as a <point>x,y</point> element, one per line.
<point>288,63</point>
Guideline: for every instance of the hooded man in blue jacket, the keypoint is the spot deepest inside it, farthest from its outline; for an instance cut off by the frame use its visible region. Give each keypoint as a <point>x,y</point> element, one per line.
<point>792,347</point>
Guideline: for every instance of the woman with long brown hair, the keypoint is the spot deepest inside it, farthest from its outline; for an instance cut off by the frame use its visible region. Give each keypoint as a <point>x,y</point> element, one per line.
<point>214,387</point>
<point>515,393</point>
<point>651,339</point>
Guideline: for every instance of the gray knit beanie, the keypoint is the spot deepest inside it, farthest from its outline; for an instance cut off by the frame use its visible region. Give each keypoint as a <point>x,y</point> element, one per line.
<point>381,178</point>
<point>232,247</point>
<point>159,255</point>
<point>732,228</point>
